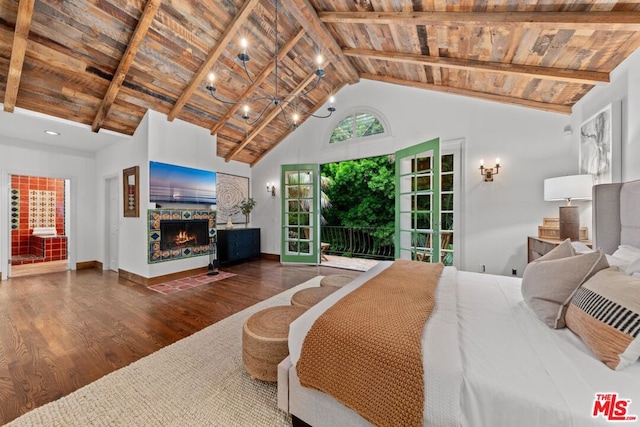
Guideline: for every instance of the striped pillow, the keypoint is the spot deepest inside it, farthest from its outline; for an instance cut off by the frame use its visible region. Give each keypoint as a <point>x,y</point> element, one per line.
<point>605,314</point>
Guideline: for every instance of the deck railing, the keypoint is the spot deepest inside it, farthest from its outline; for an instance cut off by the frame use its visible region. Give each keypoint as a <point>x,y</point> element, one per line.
<point>362,242</point>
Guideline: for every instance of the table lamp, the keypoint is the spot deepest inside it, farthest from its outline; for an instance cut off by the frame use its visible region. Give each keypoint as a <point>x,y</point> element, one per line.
<point>571,187</point>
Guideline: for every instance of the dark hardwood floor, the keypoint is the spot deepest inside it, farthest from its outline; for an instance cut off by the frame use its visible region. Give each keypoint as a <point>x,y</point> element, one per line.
<point>61,331</point>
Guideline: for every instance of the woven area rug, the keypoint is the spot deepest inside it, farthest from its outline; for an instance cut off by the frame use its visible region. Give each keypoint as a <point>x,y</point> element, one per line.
<point>197,381</point>
<point>178,285</point>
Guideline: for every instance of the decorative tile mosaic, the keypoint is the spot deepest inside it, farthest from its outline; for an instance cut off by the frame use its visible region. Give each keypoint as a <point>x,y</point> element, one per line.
<point>42,208</point>
<point>15,209</point>
<point>155,216</point>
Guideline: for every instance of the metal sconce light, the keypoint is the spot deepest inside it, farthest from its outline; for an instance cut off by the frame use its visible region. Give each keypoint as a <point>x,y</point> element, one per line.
<point>568,130</point>
<point>489,172</point>
<point>271,189</point>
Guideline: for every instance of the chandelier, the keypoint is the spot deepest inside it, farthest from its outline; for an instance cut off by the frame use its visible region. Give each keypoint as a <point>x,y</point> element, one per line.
<point>279,100</point>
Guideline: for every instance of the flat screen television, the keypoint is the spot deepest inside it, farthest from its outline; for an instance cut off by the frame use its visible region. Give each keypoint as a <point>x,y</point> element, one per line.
<point>179,184</point>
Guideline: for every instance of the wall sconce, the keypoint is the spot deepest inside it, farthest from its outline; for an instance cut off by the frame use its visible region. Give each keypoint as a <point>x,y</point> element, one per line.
<point>568,130</point>
<point>271,189</point>
<point>489,172</point>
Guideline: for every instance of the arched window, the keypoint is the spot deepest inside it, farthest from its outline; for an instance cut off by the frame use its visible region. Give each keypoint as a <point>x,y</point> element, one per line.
<point>357,125</point>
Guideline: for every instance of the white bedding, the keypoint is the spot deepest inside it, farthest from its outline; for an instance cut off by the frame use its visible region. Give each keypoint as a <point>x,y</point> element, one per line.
<point>490,362</point>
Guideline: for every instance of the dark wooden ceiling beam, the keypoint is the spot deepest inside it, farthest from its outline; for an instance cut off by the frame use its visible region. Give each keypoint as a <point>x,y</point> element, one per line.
<point>21,34</point>
<point>230,32</point>
<point>307,16</point>
<point>137,37</point>
<point>259,80</point>
<point>269,118</point>
<point>307,115</point>
<point>564,109</point>
<point>530,71</point>
<point>608,21</point>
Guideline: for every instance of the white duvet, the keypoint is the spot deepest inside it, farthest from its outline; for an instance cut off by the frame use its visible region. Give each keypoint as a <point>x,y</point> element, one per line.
<point>490,362</point>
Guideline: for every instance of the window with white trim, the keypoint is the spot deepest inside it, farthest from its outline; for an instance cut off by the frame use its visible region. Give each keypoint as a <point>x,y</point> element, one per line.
<point>357,125</point>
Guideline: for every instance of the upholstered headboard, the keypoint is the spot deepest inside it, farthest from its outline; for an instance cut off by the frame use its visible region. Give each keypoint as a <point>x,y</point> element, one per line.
<point>616,215</point>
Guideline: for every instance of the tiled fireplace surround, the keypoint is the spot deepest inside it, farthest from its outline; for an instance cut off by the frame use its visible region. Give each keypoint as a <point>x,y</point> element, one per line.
<point>155,218</point>
<point>26,248</point>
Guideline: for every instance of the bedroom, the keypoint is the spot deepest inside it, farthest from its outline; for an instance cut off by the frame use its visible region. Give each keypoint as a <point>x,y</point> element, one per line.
<point>498,216</point>
<point>531,143</point>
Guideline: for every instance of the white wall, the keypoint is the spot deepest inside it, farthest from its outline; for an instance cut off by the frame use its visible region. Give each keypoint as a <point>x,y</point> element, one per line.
<point>132,242</point>
<point>498,216</point>
<point>156,139</point>
<point>19,157</point>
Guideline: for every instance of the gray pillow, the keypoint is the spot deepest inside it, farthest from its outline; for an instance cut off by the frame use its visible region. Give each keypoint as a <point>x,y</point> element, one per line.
<point>549,285</point>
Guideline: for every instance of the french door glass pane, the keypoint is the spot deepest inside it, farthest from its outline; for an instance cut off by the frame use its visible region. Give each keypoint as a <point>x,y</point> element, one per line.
<point>446,202</point>
<point>422,164</point>
<point>423,202</point>
<point>447,182</point>
<point>447,163</point>
<point>421,183</point>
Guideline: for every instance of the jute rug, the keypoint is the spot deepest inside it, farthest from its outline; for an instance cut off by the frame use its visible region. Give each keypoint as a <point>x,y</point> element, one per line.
<point>197,381</point>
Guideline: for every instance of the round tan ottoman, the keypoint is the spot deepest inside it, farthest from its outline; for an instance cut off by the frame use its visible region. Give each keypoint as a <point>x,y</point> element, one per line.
<point>311,296</point>
<point>337,280</point>
<point>264,340</point>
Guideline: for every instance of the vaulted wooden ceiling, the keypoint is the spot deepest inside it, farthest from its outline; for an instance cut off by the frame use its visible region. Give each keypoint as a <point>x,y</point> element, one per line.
<point>105,62</point>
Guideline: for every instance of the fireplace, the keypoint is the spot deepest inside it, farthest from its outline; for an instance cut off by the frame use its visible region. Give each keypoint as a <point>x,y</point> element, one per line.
<point>177,233</point>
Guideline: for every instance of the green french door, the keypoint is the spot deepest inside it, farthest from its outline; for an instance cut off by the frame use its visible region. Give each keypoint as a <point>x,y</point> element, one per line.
<point>417,234</point>
<point>300,215</point>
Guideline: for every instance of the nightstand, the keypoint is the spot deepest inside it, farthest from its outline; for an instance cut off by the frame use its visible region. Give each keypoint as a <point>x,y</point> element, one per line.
<point>536,246</point>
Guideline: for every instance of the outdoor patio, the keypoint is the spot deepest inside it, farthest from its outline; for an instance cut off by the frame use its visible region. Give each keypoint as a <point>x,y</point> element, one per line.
<point>359,264</point>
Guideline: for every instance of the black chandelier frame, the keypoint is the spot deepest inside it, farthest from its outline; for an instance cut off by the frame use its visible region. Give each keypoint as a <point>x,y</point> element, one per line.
<point>279,100</point>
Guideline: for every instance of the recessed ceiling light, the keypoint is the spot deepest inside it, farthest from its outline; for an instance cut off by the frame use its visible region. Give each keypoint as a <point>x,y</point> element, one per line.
<point>51,132</point>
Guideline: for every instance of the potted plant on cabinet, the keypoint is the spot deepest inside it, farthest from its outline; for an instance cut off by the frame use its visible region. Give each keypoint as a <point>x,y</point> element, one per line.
<point>246,206</point>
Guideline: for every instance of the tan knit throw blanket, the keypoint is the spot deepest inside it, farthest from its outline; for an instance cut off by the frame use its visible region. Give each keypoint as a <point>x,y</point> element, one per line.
<point>365,350</point>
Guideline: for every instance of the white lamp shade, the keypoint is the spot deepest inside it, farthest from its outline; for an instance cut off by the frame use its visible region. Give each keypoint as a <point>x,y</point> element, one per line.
<point>571,187</point>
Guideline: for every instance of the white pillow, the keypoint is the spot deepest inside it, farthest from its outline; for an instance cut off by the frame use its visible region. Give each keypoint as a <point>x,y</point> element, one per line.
<point>633,268</point>
<point>626,258</point>
<point>581,248</point>
<point>614,261</point>
<point>627,253</point>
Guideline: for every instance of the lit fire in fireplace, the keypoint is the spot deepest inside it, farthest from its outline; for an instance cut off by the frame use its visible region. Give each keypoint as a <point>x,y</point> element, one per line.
<point>182,238</point>
<point>183,233</point>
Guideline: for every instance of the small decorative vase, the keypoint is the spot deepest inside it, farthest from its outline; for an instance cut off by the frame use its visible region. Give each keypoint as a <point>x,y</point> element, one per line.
<point>229,224</point>
<point>246,220</point>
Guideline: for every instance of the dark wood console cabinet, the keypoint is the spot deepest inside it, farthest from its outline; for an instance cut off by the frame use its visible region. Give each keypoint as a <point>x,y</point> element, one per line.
<point>238,244</point>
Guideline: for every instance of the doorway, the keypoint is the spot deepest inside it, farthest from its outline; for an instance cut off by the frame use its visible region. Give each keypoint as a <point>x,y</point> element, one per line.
<point>359,227</point>
<point>112,224</point>
<point>300,214</point>
<point>39,224</point>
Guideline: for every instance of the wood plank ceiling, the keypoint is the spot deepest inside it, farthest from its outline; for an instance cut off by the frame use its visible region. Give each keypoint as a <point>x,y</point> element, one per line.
<point>105,62</point>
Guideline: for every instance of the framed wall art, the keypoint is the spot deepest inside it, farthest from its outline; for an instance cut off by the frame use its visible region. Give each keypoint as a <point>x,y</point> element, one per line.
<point>131,191</point>
<point>599,152</point>
<point>232,190</point>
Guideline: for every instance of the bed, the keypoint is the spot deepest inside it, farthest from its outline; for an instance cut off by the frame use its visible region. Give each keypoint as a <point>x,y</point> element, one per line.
<point>488,359</point>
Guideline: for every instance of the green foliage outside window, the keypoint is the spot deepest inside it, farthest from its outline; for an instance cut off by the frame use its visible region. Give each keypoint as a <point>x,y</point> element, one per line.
<point>362,194</point>
<point>357,125</point>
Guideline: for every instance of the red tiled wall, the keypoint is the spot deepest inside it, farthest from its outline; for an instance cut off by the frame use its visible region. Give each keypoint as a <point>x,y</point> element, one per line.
<point>20,242</point>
